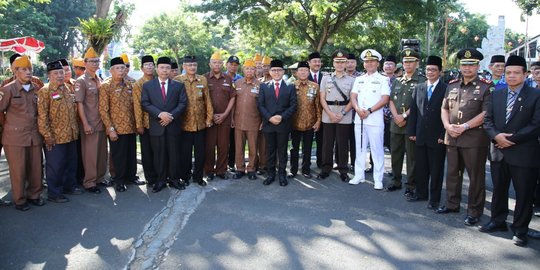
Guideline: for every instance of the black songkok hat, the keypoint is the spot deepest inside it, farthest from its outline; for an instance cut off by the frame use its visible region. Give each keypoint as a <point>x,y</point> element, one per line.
<point>535,64</point>
<point>147,59</point>
<point>164,60</point>
<point>54,65</point>
<point>390,58</point>
<point>64,62</point>
<point>351,56</point>
<point>314,55</point>
<point>276,63</point>
<point>516,60</point>
<point>434,60</point>
<point>117,61</point>
<point>189,59</point>
<point>497,59</point>
<point>174,65</point>
<point>303,64</point>
<point>13,57</point>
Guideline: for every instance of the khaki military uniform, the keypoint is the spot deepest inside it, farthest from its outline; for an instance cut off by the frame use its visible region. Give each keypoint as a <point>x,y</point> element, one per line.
<point>22,141</point>
<point>468,151</point>
<point>401,97</point>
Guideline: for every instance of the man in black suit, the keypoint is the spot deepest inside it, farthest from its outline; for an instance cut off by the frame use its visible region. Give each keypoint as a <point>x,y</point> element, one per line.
<point>427,130</point>
<point>277,104</point>
<point>164,100</point>
<point>512,123</point>
<point>315,75</point>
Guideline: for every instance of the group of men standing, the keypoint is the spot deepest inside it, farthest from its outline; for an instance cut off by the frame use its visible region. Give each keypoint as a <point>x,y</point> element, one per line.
<point>203,118</point>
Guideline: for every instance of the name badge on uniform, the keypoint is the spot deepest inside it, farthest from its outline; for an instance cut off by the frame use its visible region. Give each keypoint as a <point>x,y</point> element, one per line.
<point>226,84</point>
<point>476,92</point>
<point>238,89</point>
<point>375,82</point>
<point>200,93</point>
<point>200,86</point>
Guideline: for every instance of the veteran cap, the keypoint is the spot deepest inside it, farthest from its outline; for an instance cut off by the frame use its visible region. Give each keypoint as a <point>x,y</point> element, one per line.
<point>497,59</point>
<point>190,59</point>
<point>125,58</point>
<point>469,56</point>
<point>276,63</point>
<point>434,60</point>
<point>340,56</point>
<point>266,60</point>
<point>117,61</point>
<point>216,56</point>
<point>257,58</point>
<point>233,59</point>
<point>516,60</point>
<point>410,55</point>
<point>77,62</point>
<point>249,63</point>
<point>22,62</point>
<point>164,60</point>
<point>370,54</point>
<point>90,53</point>
<point>314,55</point>
<point>54,65</point>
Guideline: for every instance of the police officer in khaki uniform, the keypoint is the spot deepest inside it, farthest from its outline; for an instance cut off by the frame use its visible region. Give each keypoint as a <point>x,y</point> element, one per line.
<point>337,116</point>
<point>462,113</point>
<point>116,110</point>
<point>21,138</point>
<point>198,116</point>
<point>400,103</point>
<point>58,125</point>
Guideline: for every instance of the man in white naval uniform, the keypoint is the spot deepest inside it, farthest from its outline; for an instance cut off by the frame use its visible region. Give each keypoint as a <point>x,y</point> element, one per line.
<point>370,93</point>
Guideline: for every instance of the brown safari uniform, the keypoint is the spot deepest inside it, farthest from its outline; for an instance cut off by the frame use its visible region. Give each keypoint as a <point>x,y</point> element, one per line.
<point>57,115</point>
<point>247,122</point>
<point>22,141</point>
<point>93,146</point>
<point>221,91</point>
<point>199,113</point>
<point>117,113</point>
<point>469,150</point>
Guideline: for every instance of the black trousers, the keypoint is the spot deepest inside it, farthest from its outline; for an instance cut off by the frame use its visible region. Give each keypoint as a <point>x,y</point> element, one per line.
<point>192,141</point>
<point>276,147</point>
<point>80,167</point>
<point>524,181</point>
<point>319,145</point>
<point>307,140</point>
<point>537,192</point>
<point>430,166</point>
<point>338,133</point>
<point>147,158</point>
<point>124,158</point>
<point>232,148</point>
<point>166,157</point>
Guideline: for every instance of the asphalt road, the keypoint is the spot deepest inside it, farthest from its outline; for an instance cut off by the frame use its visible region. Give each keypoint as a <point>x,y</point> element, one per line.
<point>241,224</point>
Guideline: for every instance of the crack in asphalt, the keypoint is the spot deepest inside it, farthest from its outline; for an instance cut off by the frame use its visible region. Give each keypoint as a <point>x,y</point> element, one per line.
<point>150,249</point>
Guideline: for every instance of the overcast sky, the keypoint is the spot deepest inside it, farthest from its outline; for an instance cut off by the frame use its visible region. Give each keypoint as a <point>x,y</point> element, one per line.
<point>491,8</point>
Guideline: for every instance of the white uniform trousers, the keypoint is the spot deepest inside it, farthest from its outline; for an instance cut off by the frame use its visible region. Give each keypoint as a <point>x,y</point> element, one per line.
<point>374,136</point>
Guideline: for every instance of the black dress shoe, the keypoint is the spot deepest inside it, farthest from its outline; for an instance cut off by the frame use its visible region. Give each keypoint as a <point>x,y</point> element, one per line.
<point>201,183</point>
<point>344,177</point>
<point>415,198</point>
<point>408,192</point>
<point>323,175</point>
<point>520,240</point>
<point>94,190</point>
<point>106,183</point>
<point>223,176</point>
<point>470,220</point>
<point>307,175</point>
<point>158,187</point>
<point>74,191</point>
<point>5,203</point>
<point>238,175</point>
<point>58,199</point>
<point>177,184</point>
<point>261,171</point>
<point>22,207</point>
<point>283,181</point>
<point>291,175</point>
<point>210,177</point>
<point>392,187</point>
<point>120,187</point>
<point>37,202</point>
<point>536,211</point>
<point>534,234</point>
<point>369,170</point>
<point>432,206</point>
<point>493,227</point>
<point>252,176</point>
<point>269,180</point>
<point>138,182</point>
<point>444,210</point>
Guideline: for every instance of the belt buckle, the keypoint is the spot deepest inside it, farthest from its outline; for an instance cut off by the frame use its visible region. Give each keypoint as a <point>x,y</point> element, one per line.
<point>459,114</point>
<point>403,110</point>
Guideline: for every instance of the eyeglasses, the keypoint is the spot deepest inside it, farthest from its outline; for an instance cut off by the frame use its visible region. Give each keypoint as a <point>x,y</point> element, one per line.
<point>190,64</point>
<point>431,70</point>
<point>148,65</point>
<point>93,61</point>
<point>276,70</point>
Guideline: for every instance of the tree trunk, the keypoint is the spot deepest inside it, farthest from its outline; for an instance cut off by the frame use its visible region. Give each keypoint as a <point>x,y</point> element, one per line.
<point>102,8</point>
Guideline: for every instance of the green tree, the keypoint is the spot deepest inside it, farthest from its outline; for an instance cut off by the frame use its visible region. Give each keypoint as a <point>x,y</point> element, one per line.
<point>529,6</point>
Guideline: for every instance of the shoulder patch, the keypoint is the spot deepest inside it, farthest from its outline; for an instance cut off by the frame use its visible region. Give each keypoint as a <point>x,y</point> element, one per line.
<point>484,80</point>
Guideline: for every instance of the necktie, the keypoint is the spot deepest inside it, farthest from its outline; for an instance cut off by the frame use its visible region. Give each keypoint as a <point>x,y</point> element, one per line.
<point>315,77</point>
<point>510,104</point>
<point>429,92</point>
<point>163,94</point>
<point>277,89</point>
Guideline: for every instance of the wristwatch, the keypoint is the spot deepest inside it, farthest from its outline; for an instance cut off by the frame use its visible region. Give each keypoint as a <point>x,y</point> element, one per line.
<point>343,112</point>
<point>404,115</point>
<point>112,129</point>
<point>369,110</point>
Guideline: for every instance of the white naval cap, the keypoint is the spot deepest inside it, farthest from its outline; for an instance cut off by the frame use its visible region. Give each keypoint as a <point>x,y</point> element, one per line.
<point>370,54</point>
